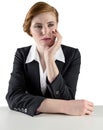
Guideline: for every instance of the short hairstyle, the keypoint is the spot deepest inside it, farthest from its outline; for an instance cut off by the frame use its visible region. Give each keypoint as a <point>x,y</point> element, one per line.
<point>37,8</point>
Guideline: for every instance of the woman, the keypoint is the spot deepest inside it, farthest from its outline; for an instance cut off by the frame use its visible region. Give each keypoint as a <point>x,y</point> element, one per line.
<point>45,75</point>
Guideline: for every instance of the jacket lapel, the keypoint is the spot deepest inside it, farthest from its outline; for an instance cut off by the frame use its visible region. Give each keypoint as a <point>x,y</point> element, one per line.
<point>59,65</point>
<point>32,70</point>
<point>34,75</point>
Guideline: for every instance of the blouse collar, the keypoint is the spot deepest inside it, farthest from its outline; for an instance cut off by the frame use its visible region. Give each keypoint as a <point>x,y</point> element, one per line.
<point>33,55</point>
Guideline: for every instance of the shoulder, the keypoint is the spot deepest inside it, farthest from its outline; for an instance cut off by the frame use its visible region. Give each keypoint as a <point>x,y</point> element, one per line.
<point>70,52</point>
<point>68,49</point>
<point>24,49</point>
<point>22,52</point>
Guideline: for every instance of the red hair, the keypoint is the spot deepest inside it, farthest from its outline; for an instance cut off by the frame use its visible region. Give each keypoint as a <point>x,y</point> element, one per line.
<point>38,8</point>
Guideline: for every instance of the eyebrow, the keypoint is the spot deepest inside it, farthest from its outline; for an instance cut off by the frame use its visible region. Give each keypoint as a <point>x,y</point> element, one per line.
<point>47,23</point>
<point>51,22</point>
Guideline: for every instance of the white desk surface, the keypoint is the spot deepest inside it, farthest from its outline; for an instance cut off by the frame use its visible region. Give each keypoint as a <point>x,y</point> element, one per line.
<point>12,120</point>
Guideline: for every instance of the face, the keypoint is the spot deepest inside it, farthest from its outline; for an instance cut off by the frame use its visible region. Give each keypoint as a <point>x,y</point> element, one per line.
<point>42,27</point>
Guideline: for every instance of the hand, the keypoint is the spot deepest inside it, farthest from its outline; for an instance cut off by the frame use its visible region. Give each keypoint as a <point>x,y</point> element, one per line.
<point>50,51</point>
<point>78,107</point>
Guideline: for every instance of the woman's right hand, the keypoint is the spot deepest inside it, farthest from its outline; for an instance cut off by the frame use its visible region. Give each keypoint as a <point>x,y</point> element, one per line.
<point>68,107</point>
<point>78,107</point>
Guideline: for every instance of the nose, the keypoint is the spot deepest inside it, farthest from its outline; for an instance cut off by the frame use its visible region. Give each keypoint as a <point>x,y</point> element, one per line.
<point>45,30</point>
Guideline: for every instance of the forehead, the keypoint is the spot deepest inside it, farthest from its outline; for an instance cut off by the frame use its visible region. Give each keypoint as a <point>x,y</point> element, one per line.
<point>44,17</point>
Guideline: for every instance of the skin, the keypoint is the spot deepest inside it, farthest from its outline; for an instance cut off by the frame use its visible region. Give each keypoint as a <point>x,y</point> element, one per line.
<point>48,40</point>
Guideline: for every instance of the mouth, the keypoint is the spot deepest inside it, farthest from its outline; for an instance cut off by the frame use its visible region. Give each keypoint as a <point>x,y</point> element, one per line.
<point>46,39</point>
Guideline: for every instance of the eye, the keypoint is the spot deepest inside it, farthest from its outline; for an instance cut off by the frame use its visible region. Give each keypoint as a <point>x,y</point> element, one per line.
<point>38,26</point>
<point>50,25</point>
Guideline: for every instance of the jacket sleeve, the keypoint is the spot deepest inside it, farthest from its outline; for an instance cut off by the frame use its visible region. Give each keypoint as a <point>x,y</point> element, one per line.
<point>64,85</point>
<point>17,97</point>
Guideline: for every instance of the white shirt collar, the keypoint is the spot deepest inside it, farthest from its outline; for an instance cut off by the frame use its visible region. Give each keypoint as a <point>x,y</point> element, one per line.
<point>33,55</point>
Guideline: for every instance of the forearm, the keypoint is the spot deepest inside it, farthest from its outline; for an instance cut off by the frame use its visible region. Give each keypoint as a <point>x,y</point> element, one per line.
<point>69,107</point>
<point>52,70</point>
<point>51,106</point>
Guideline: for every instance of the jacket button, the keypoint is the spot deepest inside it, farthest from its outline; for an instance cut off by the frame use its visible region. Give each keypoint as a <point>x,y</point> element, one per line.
<point>25,110</point>
<point>22,109</point>
<point>57,92</point>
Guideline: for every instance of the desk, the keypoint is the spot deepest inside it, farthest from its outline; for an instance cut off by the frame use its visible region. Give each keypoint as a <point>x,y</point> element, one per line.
<point>12,120</point>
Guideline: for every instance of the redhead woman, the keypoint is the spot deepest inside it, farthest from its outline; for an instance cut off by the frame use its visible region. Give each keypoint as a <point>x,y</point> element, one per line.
<point>45,74</point>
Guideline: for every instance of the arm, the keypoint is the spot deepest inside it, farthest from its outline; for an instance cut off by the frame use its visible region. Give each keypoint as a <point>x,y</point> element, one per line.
<point>62,84</point>
<point>49,53</point>
<point>68,107</point>
<point>65,84</point>
<point>17,97</point>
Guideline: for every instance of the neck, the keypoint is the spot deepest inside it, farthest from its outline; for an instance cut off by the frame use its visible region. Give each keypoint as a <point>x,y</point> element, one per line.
<point>40,50</point>
<point>41,56</point>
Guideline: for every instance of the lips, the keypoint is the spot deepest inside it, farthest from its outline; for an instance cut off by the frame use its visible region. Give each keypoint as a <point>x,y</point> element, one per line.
<point>46,39</point>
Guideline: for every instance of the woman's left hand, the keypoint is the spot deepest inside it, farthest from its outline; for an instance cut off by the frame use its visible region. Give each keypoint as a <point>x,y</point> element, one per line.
<point>49,52</point>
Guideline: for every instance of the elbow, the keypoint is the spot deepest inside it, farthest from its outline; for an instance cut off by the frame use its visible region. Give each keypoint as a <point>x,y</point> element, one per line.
<point>10,101</point>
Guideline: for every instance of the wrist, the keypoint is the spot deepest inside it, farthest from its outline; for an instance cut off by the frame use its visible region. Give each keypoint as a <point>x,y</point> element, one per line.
<point>63,108</point>
<point>49,59</point>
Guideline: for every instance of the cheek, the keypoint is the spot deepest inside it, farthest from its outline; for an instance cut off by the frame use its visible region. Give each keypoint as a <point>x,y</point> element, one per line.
<point>34,34</point>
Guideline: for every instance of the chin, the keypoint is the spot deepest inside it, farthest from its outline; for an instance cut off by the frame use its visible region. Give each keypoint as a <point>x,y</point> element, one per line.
<point>48,44</point>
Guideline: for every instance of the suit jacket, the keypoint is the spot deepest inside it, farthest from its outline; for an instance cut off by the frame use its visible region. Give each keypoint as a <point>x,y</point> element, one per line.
<point>24,91</point>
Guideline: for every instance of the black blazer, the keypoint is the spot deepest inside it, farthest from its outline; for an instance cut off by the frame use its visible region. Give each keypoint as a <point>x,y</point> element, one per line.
<point>24,92</point>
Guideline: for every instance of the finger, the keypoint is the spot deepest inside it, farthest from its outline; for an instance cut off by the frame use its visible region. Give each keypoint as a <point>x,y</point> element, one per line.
<point>90,108</point>
<point>90,103</point>
<point>58,36</point>
<point>88,113</point>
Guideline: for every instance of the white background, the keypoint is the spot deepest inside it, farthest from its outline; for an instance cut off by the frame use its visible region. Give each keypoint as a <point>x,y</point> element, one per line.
<point>81,25</point>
